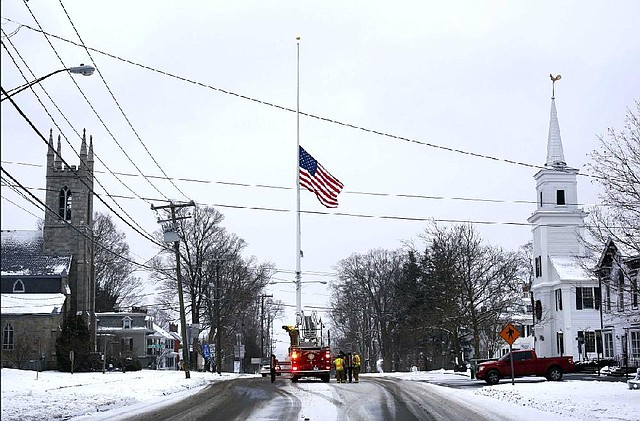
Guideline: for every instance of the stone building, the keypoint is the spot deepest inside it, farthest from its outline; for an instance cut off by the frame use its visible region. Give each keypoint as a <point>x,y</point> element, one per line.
<point>45,274</point>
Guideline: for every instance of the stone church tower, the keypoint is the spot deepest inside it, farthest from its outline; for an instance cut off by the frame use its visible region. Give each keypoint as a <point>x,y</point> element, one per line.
<point>566,297</point>
<point>68,223</point>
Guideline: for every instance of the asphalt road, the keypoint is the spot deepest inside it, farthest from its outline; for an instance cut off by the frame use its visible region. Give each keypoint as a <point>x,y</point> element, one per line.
<point>373,399</point>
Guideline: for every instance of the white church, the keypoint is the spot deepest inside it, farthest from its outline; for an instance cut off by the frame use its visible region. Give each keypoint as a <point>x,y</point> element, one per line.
<point>572,302</point>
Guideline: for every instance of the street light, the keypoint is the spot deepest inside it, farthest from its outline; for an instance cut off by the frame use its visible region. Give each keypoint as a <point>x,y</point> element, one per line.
<point>84,70</point>
<point>295,282</point>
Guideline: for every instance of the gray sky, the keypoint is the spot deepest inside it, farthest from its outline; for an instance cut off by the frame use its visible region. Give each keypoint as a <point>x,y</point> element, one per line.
<point>465,75</point>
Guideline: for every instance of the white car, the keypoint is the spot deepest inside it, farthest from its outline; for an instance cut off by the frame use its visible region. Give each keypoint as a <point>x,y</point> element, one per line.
<point>265,370</point>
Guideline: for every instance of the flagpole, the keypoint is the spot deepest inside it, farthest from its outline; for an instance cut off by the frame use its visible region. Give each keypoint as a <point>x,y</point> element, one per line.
<point>298,235</point>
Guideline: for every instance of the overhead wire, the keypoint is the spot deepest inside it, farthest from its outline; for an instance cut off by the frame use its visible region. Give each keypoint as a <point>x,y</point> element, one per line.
<point>92,107</point>
<point>351,192</point>
<point>78,230</point>
<point>89,188</point>
<point>77,133</point>
<point>119,106</point>
<point>283,108</point>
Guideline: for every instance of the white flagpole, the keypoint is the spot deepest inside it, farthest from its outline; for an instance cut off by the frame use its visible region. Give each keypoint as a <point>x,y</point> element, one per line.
<point>298,241</point>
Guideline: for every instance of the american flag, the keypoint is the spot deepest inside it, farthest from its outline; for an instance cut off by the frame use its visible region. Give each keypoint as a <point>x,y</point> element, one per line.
<point>316,179</point>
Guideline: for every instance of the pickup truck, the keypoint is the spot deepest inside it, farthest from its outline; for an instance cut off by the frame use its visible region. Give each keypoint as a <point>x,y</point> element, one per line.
<point>525,363</point>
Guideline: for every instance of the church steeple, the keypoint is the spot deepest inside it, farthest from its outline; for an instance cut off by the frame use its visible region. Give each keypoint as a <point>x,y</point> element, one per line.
<point>555,154</point>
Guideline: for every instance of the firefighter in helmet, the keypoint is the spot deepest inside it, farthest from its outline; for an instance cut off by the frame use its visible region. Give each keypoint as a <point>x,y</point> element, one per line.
<point>339,364</point>
<point>356,367</point>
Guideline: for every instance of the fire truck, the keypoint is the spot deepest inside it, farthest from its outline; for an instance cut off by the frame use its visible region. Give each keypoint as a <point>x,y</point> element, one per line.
<point>310,352</point>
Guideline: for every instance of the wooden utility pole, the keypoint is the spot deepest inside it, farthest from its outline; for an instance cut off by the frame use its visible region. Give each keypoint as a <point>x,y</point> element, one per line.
<point>175,239</point>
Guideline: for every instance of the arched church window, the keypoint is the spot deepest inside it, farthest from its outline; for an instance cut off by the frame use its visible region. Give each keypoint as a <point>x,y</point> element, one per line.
<point>7,336</point>
<point>18,286</point>
<point>64,204</point>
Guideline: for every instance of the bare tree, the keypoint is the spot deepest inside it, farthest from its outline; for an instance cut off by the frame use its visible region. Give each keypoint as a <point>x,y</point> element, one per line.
<point>115,283</point>
<point>617,168</point>
<point>212,266</point>
<point>366,281</point>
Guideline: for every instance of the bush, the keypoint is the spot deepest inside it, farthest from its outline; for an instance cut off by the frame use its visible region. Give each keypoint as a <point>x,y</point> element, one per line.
<point>593,365</point>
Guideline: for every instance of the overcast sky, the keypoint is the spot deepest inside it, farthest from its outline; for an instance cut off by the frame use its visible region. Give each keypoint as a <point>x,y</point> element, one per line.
<point>198,81</point>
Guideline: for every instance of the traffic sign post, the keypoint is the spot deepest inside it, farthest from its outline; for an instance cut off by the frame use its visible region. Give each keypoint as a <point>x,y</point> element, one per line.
<point>509,333</point>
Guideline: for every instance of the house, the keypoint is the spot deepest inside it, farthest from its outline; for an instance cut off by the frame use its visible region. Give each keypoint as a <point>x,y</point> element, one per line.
<point>133,335</point>
<point>618,278</point>
<point>46,274</point>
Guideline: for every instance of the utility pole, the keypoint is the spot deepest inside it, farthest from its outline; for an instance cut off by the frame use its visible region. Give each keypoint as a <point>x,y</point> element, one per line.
<point>217,315</point>
<point>169,237</point>
<point>262,297</point>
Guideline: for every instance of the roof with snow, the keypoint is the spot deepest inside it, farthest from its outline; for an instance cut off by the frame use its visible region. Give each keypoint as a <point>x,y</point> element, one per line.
<point>23,255</point>
<point>32,303</point>
<point>569,268</point>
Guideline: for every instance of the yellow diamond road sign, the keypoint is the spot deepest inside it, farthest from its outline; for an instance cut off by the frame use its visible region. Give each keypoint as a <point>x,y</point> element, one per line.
<point>510,333</point>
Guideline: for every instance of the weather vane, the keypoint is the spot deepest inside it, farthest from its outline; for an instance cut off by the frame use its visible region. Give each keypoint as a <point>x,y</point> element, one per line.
<point>553,84</point>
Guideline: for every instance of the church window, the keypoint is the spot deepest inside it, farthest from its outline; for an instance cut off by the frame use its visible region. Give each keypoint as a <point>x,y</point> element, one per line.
<point>18,286</point>
<point>558,300</point>
<point>126,323</point>
<point>64,203</point>
<point>540,199</point>
<point>587,298</point>
<point>538,261</point>
<point>7,336</point>
<point>560,197</point>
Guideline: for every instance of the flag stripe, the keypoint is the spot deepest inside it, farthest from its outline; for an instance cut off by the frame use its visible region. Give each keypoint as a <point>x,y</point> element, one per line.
<point>316,179</point>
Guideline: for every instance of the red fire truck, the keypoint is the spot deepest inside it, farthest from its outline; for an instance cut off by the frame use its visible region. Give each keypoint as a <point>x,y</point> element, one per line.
<point>310,352</point>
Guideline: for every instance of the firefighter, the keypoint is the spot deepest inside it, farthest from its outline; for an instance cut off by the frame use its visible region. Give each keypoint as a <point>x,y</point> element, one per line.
<point>348,363</point>
<point>339,364</point>
<point>356,367</point>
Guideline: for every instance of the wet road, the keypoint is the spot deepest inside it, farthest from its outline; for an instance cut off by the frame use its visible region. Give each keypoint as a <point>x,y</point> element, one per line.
<point>372,399</point>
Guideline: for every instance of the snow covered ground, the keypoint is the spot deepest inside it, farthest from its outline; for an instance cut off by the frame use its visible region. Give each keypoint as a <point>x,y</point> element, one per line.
<point>96,396</point>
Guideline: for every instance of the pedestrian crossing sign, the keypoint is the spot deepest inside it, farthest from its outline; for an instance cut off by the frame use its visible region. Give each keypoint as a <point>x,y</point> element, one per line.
<point>510,333</point>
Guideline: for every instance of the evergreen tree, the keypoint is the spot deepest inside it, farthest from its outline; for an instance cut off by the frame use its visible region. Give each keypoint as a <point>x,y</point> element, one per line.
<point>75,337</point>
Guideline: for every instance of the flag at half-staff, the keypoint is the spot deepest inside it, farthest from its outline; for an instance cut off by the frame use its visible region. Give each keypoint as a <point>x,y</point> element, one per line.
<point>316,179</point>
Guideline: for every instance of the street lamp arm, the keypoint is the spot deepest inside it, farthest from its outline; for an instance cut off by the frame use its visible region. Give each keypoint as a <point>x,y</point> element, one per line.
<point>79,70</point>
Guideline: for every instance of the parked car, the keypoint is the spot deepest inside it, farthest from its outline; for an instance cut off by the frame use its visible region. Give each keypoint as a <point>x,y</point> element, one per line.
<point>525,363</point>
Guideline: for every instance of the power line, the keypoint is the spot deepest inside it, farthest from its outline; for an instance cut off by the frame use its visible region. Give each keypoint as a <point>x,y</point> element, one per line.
<point>351,192</point>
<point>117,103</point>
<point>34,128</point>
<point>283,108</point>
<point>91,105</point>
<point>73,128</point>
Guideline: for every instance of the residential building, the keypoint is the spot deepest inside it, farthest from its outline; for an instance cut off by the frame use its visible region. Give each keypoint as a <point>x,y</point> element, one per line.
<point>618,278</point>
<point>133,334</point>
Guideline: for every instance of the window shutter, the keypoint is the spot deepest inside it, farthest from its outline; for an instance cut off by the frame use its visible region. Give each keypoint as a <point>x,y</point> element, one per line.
<point>597,296</point>
<point>578,298</point>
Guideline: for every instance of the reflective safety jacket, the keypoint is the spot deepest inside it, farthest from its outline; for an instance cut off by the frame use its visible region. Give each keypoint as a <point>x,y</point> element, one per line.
<point>339,363</point>
<point>356,360</point>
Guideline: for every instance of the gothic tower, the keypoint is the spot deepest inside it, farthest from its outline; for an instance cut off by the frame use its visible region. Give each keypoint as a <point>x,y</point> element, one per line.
<point>560,283</point>
<point>68,223</point>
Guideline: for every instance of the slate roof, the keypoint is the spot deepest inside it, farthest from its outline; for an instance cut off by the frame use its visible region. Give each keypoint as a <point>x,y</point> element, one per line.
<point>22,254</point>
